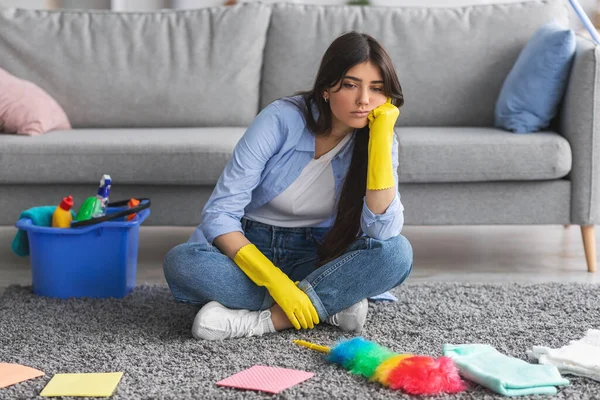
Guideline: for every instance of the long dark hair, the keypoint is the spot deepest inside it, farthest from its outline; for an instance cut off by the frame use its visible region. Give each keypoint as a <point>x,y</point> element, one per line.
<point>345,52</point>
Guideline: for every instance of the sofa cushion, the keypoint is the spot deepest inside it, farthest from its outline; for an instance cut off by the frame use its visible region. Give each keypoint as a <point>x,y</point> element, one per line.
<point>192,156</point>
<point>451,61</point>
<point>183,156</point>
<point>468,154</point>
<point>536,83</point>
<point>27,109</point>
<point>141,69</point>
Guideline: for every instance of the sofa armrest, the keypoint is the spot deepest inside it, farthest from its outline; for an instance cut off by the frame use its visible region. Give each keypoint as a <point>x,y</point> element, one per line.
<point>580,125</point>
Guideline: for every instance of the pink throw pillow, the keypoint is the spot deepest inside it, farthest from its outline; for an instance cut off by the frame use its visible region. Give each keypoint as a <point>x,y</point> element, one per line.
<point>28,109</point>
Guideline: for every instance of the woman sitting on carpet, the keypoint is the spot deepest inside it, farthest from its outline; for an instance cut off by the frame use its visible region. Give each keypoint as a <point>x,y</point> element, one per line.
<point>304,222</point>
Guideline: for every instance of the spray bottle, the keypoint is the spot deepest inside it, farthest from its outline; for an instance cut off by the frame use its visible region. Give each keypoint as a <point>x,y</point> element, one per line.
<point>101,203</point>
<point>95,206</point>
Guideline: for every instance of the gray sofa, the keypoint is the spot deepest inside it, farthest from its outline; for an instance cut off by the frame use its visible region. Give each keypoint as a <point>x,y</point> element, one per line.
<point>158,100</point>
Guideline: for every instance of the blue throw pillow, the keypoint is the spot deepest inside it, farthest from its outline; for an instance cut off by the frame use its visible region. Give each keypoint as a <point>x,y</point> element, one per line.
<point>535,85</point>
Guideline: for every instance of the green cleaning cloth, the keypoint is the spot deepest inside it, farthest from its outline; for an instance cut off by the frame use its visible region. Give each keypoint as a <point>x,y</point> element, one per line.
<point>39,216</point>
<point>509,376</point>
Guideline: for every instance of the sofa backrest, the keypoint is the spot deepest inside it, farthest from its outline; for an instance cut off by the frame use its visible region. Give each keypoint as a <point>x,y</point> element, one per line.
<point>451,61</point>
<point>219,66</point>
<point>152,69</point>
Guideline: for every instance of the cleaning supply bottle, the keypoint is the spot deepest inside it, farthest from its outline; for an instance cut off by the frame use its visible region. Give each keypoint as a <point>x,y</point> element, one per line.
<point>87,209</point>
<point>61,218</point>
<point>95,206</point>
<point>102,196</point>
<point>130,204</point>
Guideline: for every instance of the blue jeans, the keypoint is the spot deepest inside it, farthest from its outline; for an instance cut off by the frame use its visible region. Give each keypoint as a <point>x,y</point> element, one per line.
<point>198,273</point>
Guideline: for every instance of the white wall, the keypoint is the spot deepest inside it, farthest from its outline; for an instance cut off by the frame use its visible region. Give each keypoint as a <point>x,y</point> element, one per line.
<point>589,6</point>
<point>23,3</point>
<point>142,5</point>
<point>41,4</point>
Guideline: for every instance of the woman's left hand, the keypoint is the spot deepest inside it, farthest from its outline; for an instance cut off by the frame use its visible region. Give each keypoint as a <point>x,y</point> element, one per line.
<point>380,174</point>
<point>383,118</point>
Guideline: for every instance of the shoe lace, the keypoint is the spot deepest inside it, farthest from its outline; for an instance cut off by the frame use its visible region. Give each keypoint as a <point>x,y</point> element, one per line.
<point>262,317</point>
<point>333,320</point>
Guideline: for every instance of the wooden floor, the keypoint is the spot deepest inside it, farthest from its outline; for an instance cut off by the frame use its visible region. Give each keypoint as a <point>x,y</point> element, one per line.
<point>541,253</point>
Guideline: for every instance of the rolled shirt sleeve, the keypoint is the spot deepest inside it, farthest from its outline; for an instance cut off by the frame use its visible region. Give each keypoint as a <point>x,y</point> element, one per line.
<point>390,223</point>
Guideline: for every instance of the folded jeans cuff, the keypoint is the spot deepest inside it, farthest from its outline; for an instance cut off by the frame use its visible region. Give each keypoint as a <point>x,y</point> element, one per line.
<point>312,295</point>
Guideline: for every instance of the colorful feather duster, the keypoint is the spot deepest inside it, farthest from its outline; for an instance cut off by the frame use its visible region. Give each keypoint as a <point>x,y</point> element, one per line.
<point>410,373</point>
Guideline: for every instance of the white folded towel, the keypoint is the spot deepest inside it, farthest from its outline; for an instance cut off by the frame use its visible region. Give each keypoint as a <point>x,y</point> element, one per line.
<point>580,357</point>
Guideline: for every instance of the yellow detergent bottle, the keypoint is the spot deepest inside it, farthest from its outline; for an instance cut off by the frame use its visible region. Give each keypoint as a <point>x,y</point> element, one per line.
<point>62,215</point>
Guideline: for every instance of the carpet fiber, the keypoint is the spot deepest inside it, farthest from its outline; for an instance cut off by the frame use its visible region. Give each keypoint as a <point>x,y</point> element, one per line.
<point>147,336</point>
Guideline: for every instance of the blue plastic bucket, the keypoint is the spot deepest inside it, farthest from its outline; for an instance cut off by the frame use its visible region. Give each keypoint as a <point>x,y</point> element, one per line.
<point>94,261</point>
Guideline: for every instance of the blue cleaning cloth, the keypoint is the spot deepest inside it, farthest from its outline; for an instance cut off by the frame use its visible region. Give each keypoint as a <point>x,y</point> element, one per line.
<point>387,296</point>
<point>509,376</point>
<point>39,216</point>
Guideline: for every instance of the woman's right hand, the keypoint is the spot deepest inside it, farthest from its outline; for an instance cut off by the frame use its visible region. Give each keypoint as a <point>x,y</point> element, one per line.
<point>293,301</point>
<point>295,304</point>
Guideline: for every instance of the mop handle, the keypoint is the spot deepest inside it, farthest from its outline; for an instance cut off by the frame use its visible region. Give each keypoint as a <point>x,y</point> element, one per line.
<point>586,20</point>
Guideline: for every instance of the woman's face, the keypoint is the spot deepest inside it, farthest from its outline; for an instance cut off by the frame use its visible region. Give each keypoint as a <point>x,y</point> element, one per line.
<point>361,92</point>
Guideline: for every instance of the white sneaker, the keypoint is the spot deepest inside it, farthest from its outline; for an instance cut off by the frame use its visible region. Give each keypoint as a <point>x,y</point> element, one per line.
<point>217,322</point>
<point>352,319</point>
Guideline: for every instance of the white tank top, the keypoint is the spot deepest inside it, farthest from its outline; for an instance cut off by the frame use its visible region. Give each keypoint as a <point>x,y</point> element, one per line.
<point>308,201</point>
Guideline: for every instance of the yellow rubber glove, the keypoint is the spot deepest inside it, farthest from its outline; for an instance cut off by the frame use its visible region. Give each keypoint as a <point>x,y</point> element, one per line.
<point>380,173</point>
<point>293,301</point>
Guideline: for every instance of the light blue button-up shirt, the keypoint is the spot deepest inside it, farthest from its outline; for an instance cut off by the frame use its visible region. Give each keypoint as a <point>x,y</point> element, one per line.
<point>267,159</point>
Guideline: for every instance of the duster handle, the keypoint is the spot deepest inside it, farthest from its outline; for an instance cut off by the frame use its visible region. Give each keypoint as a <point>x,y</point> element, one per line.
<point>312,346</point>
